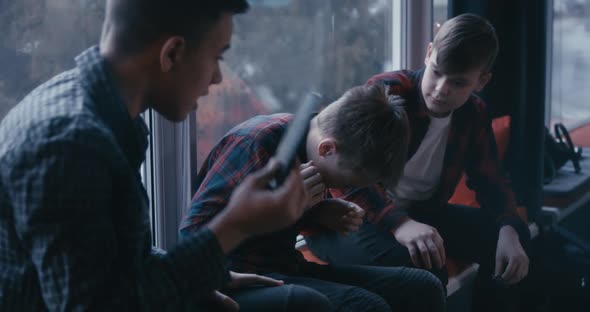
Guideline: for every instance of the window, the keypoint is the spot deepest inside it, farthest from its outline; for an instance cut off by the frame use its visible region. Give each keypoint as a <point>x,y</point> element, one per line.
<point>570,63</point>
<point>283,48</point>
<point>439,14</point>
<point>37,42</point>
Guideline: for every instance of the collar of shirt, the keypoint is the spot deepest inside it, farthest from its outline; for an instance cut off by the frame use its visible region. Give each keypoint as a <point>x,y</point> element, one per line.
<point>105,98</point>
<point>420,110</point>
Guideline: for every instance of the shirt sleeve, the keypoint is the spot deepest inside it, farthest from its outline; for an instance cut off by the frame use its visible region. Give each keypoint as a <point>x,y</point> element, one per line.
<point>239,156</point>
<point>62,197</point>
<point>485,176</point>
<point>378,206</point>
<point>398,83</point>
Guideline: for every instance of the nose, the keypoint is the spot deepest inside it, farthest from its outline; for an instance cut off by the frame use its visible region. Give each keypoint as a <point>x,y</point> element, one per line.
<point>442,87</point>
<point>217,76</point>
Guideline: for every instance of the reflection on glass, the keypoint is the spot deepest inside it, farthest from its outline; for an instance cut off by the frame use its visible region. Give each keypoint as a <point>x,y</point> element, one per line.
<point>571,62</point>
<point>281,49</point>
<point>40,39</point>
<point>439,14</point>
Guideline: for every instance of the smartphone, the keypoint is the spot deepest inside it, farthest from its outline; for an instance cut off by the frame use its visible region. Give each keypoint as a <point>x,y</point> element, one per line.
<point>294,136</point>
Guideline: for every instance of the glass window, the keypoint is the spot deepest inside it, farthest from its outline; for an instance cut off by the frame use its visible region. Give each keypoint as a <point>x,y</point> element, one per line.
<point>283,48</point>
<point>570,63</point>
<point>40,39</point>
<point>439,14</point>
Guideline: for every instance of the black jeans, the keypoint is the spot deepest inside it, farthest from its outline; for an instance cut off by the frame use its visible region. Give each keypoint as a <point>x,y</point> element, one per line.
<point>348,288</point>
<point>286,298</point>
<point>469,234</point>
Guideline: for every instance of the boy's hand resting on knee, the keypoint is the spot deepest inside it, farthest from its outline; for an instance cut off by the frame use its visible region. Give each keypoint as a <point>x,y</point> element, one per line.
<point>337,214</point>
<point>512,263</point>
<point>254,209</point>
<point>424,244</point>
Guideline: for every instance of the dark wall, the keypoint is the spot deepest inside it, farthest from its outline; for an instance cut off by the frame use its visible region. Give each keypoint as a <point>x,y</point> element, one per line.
<point>518,86</point>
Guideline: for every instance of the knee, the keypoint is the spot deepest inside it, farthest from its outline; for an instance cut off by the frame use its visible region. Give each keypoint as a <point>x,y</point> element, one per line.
<point>377,304</point>
<point>428,281</point>
<point>429,288</point>
<point>302,298</point>
<point>436,287</point>
<point>360,299</point>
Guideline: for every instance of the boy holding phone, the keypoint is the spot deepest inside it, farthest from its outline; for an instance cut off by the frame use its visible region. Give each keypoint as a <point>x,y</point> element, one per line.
<point>355,142</point>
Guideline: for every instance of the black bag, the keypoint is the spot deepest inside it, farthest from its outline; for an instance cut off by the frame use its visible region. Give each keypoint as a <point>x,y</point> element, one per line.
<point>558,151</point>
<point>561,276</point>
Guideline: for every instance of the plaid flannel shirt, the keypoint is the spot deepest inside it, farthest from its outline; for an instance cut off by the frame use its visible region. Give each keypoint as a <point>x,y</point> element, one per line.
<point>244,149</point>
<point>471,148</point>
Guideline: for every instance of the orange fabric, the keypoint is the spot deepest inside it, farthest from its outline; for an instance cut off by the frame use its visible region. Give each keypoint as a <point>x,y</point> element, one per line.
<point>581,135</point>
<point>310,256</point>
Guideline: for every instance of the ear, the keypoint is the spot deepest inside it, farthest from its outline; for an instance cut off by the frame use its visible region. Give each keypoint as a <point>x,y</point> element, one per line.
<point>483,81</point>
<point>428,53</point>
<point>327,147</point>
<point>172,52</point>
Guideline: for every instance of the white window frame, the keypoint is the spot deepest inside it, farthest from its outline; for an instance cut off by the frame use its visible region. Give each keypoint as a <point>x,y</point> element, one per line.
<point>414,20</point>
<point>399,18</point>
<point>549,62</point>
<point>419,29</point>
<point>168,179</point>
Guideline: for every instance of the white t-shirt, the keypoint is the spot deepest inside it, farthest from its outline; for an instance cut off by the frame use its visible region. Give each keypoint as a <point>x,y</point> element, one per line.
<point>422,172</point>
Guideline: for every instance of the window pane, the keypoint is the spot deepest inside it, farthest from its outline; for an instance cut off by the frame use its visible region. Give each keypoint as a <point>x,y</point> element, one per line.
<point>283,48</point>
<point>39,39</point>
<point>571,62</point>
<point>439,14</point>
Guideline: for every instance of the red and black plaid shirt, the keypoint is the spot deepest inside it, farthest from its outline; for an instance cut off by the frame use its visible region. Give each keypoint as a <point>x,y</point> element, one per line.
<point>244,149</point>
<point>470,148</point>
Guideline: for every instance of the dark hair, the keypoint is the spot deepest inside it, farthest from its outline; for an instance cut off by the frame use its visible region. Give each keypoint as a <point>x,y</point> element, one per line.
<point>371,130</point>
<point>139,22</point>
<point>465,42</point>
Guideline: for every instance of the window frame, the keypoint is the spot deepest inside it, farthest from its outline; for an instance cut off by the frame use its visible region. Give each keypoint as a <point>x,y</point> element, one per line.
<point>167,180</point>
<point>549,62</point>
